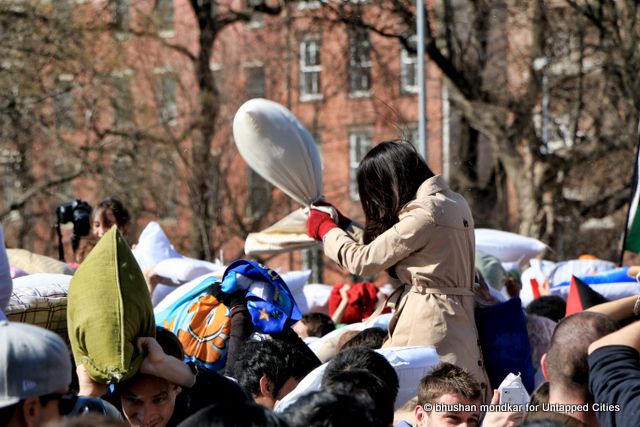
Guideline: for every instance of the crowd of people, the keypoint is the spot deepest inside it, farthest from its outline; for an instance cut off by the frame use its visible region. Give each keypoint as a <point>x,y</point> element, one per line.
<point>421,233</point>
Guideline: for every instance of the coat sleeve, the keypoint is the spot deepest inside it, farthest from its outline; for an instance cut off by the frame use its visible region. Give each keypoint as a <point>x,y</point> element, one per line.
<point>408,235</point>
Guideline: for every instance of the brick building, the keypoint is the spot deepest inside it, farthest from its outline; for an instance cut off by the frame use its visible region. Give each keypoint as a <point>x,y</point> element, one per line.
<point>350,88</point>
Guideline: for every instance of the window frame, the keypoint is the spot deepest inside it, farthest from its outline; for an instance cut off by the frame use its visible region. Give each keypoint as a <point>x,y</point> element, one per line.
<point>315,69</point>
<point>359,68</point>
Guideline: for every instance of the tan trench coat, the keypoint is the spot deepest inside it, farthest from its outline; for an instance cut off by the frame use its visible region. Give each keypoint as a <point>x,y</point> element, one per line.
<point>432,248</point>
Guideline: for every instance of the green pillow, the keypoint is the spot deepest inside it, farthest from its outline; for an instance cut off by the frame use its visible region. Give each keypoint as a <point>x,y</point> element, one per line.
<point>108,307</point>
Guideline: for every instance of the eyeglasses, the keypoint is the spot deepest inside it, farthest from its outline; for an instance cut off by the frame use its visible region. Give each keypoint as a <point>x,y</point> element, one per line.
<point>66,401</point>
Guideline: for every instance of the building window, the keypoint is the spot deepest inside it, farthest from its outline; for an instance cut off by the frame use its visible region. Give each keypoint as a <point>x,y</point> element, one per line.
<point>312,260</point>
<point>164,11</point>
<point>359,63</point>
<point>166,96</point>
<point>359,144</point>
<point>259,195</point>
<point>120,14</point>
<point>255,81</point>
<point>310,69</point>
<point>409,69</point>
<point>122,99</point>
<point>64,102</point>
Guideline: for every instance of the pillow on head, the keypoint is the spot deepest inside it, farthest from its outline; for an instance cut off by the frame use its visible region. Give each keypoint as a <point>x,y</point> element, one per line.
<point>108,308</point>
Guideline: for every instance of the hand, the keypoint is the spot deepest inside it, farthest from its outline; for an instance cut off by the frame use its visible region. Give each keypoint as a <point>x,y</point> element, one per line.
<point>87,386</point>
<point>154,356</point>
<point>161,365</point>
<point>319,224</point>
<point>342,220</point>
<point>501,419</point>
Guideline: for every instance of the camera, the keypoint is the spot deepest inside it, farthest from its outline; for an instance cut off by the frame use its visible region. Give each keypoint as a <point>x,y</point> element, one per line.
<point>79,213</point>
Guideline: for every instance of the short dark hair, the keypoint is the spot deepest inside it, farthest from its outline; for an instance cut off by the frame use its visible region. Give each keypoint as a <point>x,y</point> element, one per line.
<point>448,378</point>
<point>169,342</point>
<point>388,178</point>
<point>234,414</point>
<point>549,306</point>
<point>275,360</point>
<point>120,213</point>
<point>368,360</point>
<point>372,338</point>
<point>327,409</point>
<point>318,324</point>
<point>362,382</point>
<point>567,356</point>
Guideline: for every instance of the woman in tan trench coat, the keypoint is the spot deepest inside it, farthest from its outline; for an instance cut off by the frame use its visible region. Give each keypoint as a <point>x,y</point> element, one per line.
<point>421,232</point>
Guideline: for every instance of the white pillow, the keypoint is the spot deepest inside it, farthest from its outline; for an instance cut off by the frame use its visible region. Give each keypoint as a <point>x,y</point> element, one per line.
<point>296,281</point>
<point>411,364</point>
<point>153,246</point>
<point>508,247</point>
<point>181,270</point>
<point>317,297</point>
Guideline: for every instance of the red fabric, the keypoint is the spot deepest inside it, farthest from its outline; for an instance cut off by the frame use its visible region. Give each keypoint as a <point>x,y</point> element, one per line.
<point>319,224</point>
<point>362,299</point>
<point>535,288</point>
<point>343,221</point>
<point>581,297</point>
<point>574,303</point>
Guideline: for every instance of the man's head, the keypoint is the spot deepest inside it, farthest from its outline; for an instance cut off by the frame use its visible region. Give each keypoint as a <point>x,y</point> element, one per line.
<point>361,382</point>
<point>35,372</point>
<point>328,409</point>
<point>549,306</point>
<point>147,400</point>
<point>565,364</point>
<point>365,359</point>
<point>314,325</point>
<point>269,370</point>
<point>444,396</point>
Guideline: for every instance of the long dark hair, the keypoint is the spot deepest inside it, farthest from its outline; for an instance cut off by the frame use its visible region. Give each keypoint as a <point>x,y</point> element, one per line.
<point>388,178</point>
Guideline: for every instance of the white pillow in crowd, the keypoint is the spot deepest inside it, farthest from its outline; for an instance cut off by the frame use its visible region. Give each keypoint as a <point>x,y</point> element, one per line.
<point>562,272</point>
<point>42,280</point>
<point>410,364</point>
<point>311,382</point>
<point>153,246</point>
<point>279,148</point>
<point>325,347</point>
<point>317,296</point>
<point>296,281</point>
<point>508,247</point>
<point>182,270</point>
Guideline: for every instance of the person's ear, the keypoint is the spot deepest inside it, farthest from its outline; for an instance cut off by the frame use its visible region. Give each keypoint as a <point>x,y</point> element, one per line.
<point>266,387</point>
<point>543,366</point>
<point>30,411</point>
<point>420,416</point>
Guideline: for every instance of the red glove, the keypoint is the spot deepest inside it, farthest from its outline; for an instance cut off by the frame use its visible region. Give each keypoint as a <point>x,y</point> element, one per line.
<point>343,221</point>
<point>319,224</point>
